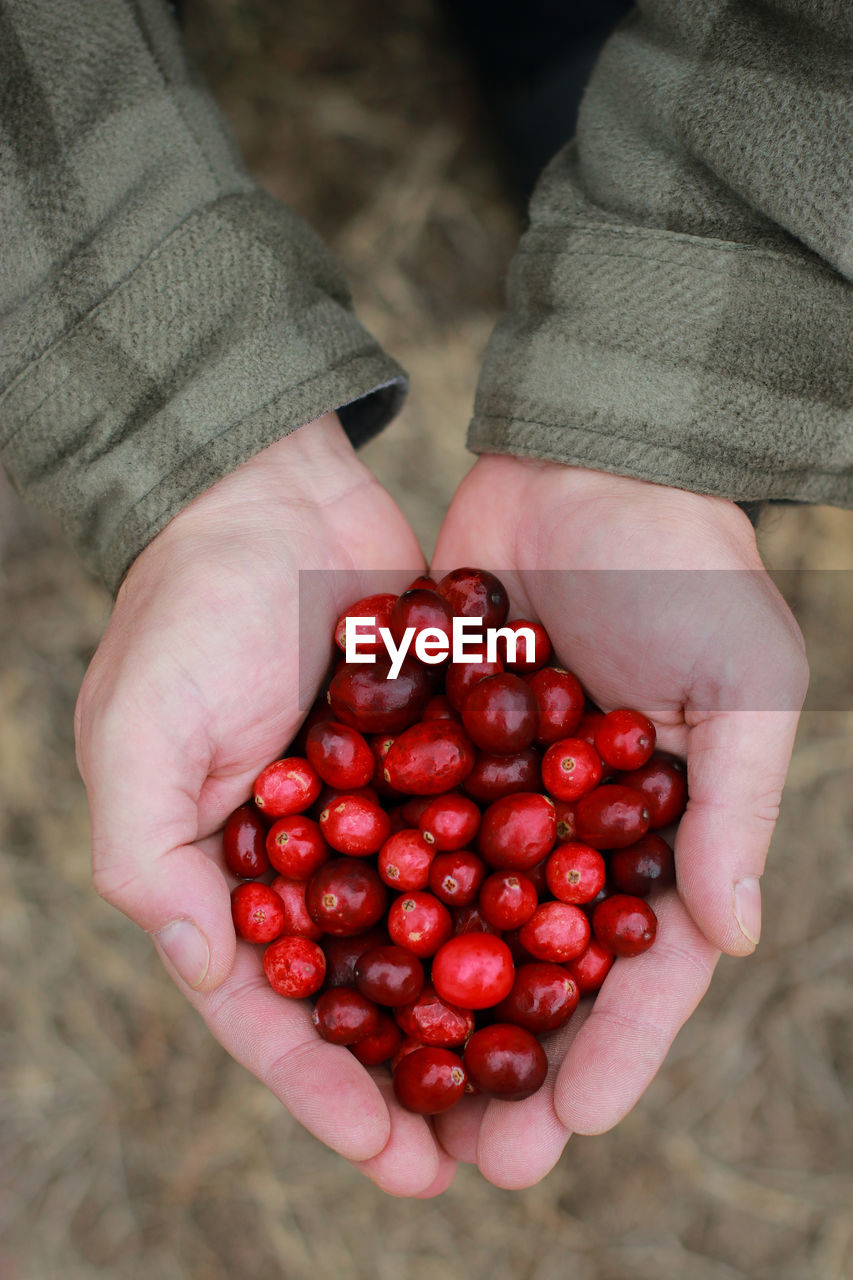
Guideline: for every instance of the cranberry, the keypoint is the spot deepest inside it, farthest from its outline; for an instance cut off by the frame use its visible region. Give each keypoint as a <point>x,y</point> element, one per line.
<point>559,698</point>
<point>517,831</point>
<point>429,1081</point>
<point>319,712</point>
<point>639,868</point>
<point>524,661</point>
<point>404,861</point>
<point>408,1044</point>
<point>328,796</point>
<point>343,1015</point>
<point>570,768</point>
<point>663,782</point>
<point>566,824</point>
<point>286,786</point>
<point>257,912</point>
<point>345,896</point>
<point>381,1045</point>
<point>423,583</point>
<point>588,726</point>
<point>450,822</point>
<point>455,878</point>
<point>508,899</point>
<point>496,776</point>
<point>340,755</point>
<point>414,808</point>
<point>296,918</point>
<point>463,676</point>
<point>343,953</point>
<point>591,967</point>
<point>440,707</point>
<point>363,696</point>
<point>243,841</point>
<point>423,611</point>
<point>543,997</point>
<point>419,922</point>
<point>355,825</point>
<point>519,953</point>
<point>431,1020</point>
<point>625,924</point>
<point>295,846</point>
<point>500,715</point>
<point>473,970</point>
<point>625,739</point>
<point>294,967</point>
<point>429,758</point>
<point>474,593</point>
<point>575,873</point>
<point>369,640</point>
<point>556,931</point>
<point>471,920</point>
<point>611,817</point>
<point>506,1061</point>
<point>389,975</point>
<point>538,876</point>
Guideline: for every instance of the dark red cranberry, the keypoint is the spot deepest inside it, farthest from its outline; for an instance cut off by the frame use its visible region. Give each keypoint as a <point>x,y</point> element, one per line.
<point>588,726</point>
<point>381,1045</point>
<point>423,610</point>
<point>517,831</point>
<point>343,1015</point>
<point>389,975</point>
<point>423,582</point>
<point>345,896</point>
<point>560,700</point>
<point>429,758</point>
<point>440,707</point>
<point>354,825</point>
<point>524,660</point>
<point>591,967</point>
<point>257,912</point>
<point>431,1020</point>
<point>543,997</point>
<point>575,873</point>
<point>471,920</point>
<point>404,861</point>
<point>639,868</point>
<point>625,924</point>
<point>473,970</point>
<point>340,755</point>
<point>286,786</point>
<point>570,768</point>
<point>496,776</point>
<point>611,817</point>
<point>455,877</point>
<point>296,918</point>
<point>556,931</point>
<point>419,922</point>
<point>343,953</point>
<point>566,826</point>
<point>364,697</point>
<point>294,967</point>
<point>508,899</point>
<point>378,607</point>
<point>625,739</point>
<point>663,782</point>
<point>506,1061</point>
<point>474,593</point>
<point>450,822</point>
<point>243,843</point>
<point>500,715</point>
<point>429,1081</point>
<point>408,1045</point>
<point>295,846</point>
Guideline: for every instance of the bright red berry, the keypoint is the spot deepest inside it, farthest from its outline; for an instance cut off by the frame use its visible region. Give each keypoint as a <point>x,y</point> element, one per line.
<point>296,918</point>
<point>517,831</point>
<point>419,922</point>
<point>257,912</point>
<point>527,657</point>
<point>591,967</point>
<point>379,608</point>
<point>663,782</point>
<point>404,861</point>
<point>423,610</point>
<point>295,846</point>
<point>431,1020</point>
<point>543,997</point>
<point>625,739</point>
<point>294,967</point>
<point>570,768</point>
<point>429,758</point>
<point>575,873</point>
<point>355,825</point>
<point>345,896</point>
<point>286,786</point>
<point>556,931</point>
<point>429,1080</point>
<point>340,754</point>
<point>625,924</point>
<point>508,899</point>
<point>473,970</point>
<point>455,878</point>
<point>560,700</point>
<point>450,822</point>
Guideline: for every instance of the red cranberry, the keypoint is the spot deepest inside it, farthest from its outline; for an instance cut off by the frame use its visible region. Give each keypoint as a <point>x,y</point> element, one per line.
<point>404,861</point>
<point>295,846</point>
<point>414,808</point>
<point>378,607</point>
<point>471,920</point>
<point>575,873</point>
<point>440,707</point>
<point>560,700</point>
<point>570,768</point>
<point>431,1020</point>
<point>663,782</point>
<point>381,1045</point>
<point>296,918</point>
<point>506,1061</point>
<point>500,715</point>
<point>517,831</point>
<point>320,711</point>
<point>408,1045</point>
<point>588,726</point>
<point>525,661</point>
<point>566,825</point>
<point>508,899</point>
<point>591,967</point>
<point>243,841</point>
<point>474,593</point>
<point>496,776</point>
<point>286,786</point>
<point>542,998</point>
<point>354,825</point>
<point>520,954</point>
<point>639,868</point>
<point>462,676</point>
<point>625,739</point>
<point>389,975</point>
<point>419,922</point>
<point>429,758</point>
<point>473,970</point>
<point>424,611</point>
<point>343,953</point>
<point>455,878</point>
<point>429,1081</point>
<point>294,967</point>
<point>345,896</point>
<point>423,582</point>
<point>611,817</point>
<point>556,931</point>
<point>340,755</point>
<point>363,696</point>
<point>625,924</point>
<point>450,822</point>
<point>343,1015</point>
<point>257,912</point>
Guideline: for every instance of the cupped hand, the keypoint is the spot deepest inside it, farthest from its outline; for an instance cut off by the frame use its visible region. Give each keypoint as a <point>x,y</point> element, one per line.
<point>194,688</point>
<point>657,599</point>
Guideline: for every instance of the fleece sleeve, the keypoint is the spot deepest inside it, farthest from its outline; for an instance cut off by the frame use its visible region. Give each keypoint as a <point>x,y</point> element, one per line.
<point>161,318</point>
<point>680,308</point>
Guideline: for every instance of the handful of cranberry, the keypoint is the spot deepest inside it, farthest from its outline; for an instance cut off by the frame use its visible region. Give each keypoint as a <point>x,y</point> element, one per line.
<point>461,851</point>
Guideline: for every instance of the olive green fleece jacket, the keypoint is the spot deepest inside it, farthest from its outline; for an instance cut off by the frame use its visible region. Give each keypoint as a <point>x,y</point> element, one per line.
<point>679,309</point>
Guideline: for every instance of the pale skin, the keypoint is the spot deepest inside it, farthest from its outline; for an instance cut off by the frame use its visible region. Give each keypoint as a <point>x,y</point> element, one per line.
<point>193,690</point>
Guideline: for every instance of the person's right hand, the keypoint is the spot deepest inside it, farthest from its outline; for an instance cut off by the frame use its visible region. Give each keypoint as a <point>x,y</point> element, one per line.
<point>194,688</point>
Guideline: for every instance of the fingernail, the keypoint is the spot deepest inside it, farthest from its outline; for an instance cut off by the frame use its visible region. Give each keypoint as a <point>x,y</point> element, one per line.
<point>747,901</point>
<point>186,949</point>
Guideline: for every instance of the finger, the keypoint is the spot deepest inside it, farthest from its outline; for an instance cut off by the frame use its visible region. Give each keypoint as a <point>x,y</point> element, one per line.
<point>410,1162</point>
<point>458,1129</point>
<point>736,761</point>
<point>636,1016</point>
<point>322,1085</point>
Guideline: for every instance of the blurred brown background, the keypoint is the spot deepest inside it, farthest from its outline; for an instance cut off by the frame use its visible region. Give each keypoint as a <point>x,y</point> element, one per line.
<point>131,1145</point>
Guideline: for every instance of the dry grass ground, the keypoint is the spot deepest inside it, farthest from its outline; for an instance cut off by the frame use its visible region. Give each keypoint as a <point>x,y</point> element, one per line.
<point>132,1147</point>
